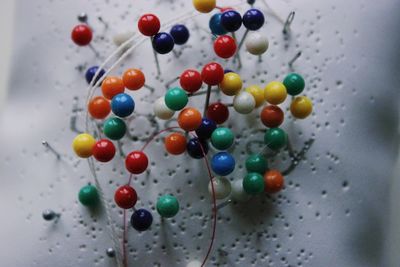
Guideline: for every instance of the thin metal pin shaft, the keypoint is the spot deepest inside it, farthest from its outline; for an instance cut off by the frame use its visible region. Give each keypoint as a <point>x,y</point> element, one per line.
<point>294,58</point>
<point>207,102</point>
<point>288,22</point>
<point>156,58</point>
<point>49,147</point>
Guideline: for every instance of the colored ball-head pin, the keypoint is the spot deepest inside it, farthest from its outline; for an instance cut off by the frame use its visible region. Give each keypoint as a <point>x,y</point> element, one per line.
<point>50,215</point>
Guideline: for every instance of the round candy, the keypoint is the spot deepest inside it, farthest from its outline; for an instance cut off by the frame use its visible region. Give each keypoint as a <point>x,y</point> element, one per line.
<point>141,220</point>
<point>231,84</point>
<point>275,93</point>
<point>88,196</point>
<point>274,181</point>
<point>163,43</point>
<point>294,84</point>
<point>167,206</point>
<point>125,197</point>
<point>180,34</point>
<point>197,148</point>
<point>104,150</point>
<point>112,86</point>
<point>176,98</point>
<point>133,79</point>
<point>81,35</point>
<point>206,128</point>
<point>122,105</point>
<point>301,107</point>
<point>175,143</point>
<point>204,6</point>
<point>253,19</point>
<point>256,43</point>
<point>253,183</point>
<point>161,110</point>
<point>136,162</point>
<point>275,138</point>
<point>149,24</point>
<point>218,112</point>
<point>189,119</point>
<point>190,80</point>
<point>89,75</point>
<point>83,145</point>
<point>99,107</point>
<point>222,138</point>
<point>225,46</point>
<point>238,193</point>
<point>271,116</point>
<point>222,187</point>
<point>256,163</point>
<point>231,20</point>
<point>212,73</point>
<point>215,24</point>
<point>222,163</point>
<point>114,128</point>
<point>244,102</point>
<point>258,93</point>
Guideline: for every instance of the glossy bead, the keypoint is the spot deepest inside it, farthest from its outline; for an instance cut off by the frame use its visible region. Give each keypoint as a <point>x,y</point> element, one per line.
<point>294,84</point>
<point>256,163</point>
<point>149,24</point>
<point>237,193</point>
<point>167,206</point>
<point>176,98</point>
<point>225,46</point>
<point>122,105</point>
<point>141,220</point>
<point>275,93</point>
<point>222,187</point>
<point>244,102</point>
<point>204,6</point>
<point>222,138</point>
<point>275,138</point>
<point>110,252</point>
<point>258,94</point>
<point>49,215</point>
<point>175,143</point>
<point>125,197</point>
<point>180,33</point>
<point>253,183</point>
<point>215,24</point>
<point>218,112</point>
<point>136,162</point>
<point>212,73</point>
<point>231,84</point>
<point>206,128</point>
<point>301,107</point>
<point>256,43</point>
<point>99,107</point>
<point>231,20</point>
<point>251,2</point>
<point>83,145</point>
<point>273,181</point>
<point>133,79</point>
<point>163,43</point>
<point>161,110</point>
<point>104,150</point>
<point>190,80</point>
<point>81,34</point>
<point>112,86</point>
<point>90,72</point>
<point>222,163</point>
<point>253,19</point>
<point>271,116</point>
<point>197,148</point>
<point>189,119</point>
<point>114,128</point>
<point>88,196</point>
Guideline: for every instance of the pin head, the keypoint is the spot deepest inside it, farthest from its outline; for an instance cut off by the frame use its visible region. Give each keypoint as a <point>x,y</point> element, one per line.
<point>180,33</point>
<point>274,181</point>
<point>258,93</point>
<point>275,93</point>
<point>83,145</point>
<point>215,24</point>
<point>253,19</point>
<point>225,46</point>
<point>104,150</point>
<point>212,73</point>
<point>206,128</point>
<point>196,147</point>
<point>222,138</point>
<point>114,128</point>
<point>176,98</point>
<point>253,183</point>
<point>125,197</point>
<point>222,163</point>
<point>175,143</point>
<point>82,17</point>
<point>161,110</point>
<point>112,86</point>
<point>237,192</point>
<point>244,103</point>
<point>89,75</point>
<point>275,138</point>
<point>256,43</point>
<point>256,163</point>
<point>194,264</point>
<point>189,119</point>
<point>204,6</point>
<point>110,252</point>
<point>190,80</point>
<point>271,116</point>
<point>231,20</point>
<point>294,84</point>
<point>301,107</point>
<point>122,105</point>
<point>88,196</point>
<point>251,2</point>
<point>149,24</point>
<point>136,162</point>
<point>49,215</point>
<point>218,112</point>
<point>81,35</point>
<point>167,206</point>
<point>231,84</point>
<point>99,107</point>
<point>141,220</point>
<point>163,43</point>
<point>222,187</point>
<point>133,79</point>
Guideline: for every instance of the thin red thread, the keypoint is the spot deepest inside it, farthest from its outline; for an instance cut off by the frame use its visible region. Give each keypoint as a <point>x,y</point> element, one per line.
<point>157,134</point>
<point>125,231</point>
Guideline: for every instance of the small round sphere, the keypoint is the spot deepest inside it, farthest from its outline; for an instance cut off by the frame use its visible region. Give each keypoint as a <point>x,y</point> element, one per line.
<point>180,33</point>
<point>215,24</point>
<point>231,20</point>
<point>204,6</point>
<point>294,84</point>
<point>253,19</point>
<point>256,43</point>
<point>222,138</point>
<point>189,119</point>
<point>149,24</point>
<point>275,138</point>
<point>175,143</point>
<point>167,206</point>
<point>82,17</point>
<point>133,79</point>
<point>218,112</point>
<point>125,197</point>
<point>114,128</point>
<point>190,80</point>
<point>275,93</point>
<point>206,128</point>
<point>256,163</point>
<point>244,102</point>
<point>163,43</point>
<point>112,86</point>
<point>141,220</point>
<point>99,107</point>
<point>301,107</point>
<point>88,196</point>
<point>122,105</point>
<point>238,194</point>
<point>83,145</point>
<point>194,264</point>
<point>81,34</point>
<point>136,162</point>
<point>251,2</point>
<point>161,110</point>
<point>274,181</point>
<point>258,93</point>
<point>49,215</point>
<point>90,72</point>
<point>225,46</point>
<point>253,183</point>
<point>104,150</point>
<point>212,73</point>
<point>222,163</point>
<point>176,98</point>
<point>197,148</point>
<point>231,84</point>
<point>110,252</point>
<point>271,116</point>
<point>222,187</point>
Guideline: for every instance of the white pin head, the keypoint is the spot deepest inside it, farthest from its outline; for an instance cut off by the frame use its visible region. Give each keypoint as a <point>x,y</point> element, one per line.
<point>256,43</point>
<point>238,193</point>
<point>194,264</point>
<point>161,110</point>
<point>222,187</point>
<point>244,103</point>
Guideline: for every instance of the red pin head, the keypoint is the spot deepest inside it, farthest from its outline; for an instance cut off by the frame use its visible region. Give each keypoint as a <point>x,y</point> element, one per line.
<point>212,73</point>
<point>104,150</point>
<point>136,162</point>
<point>81,35</point>
<point>190,80</point>
<point>218,112</point>
<point>225,46</point>
<point>125,197</point>
<point>149,24</point>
